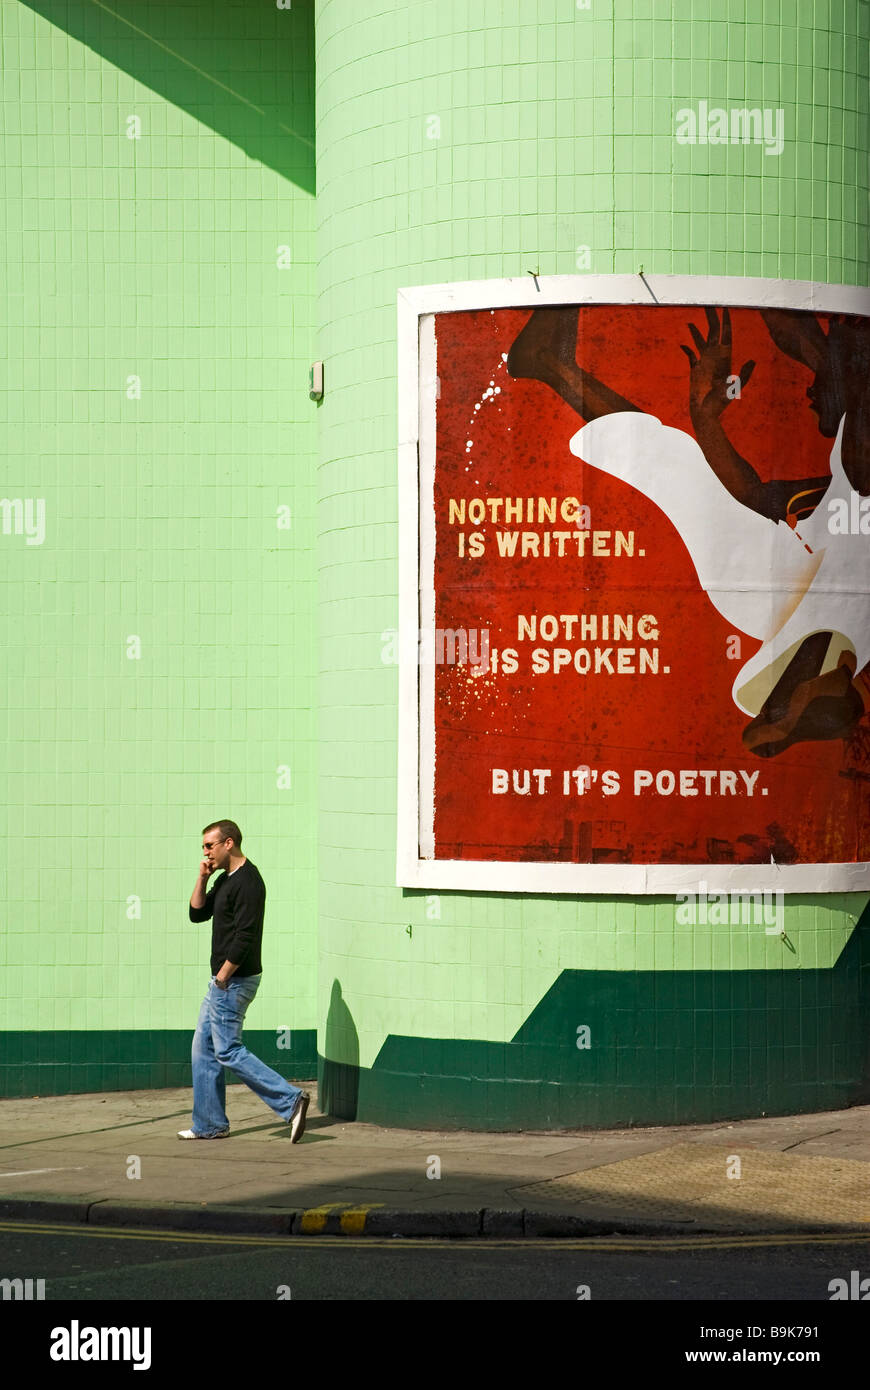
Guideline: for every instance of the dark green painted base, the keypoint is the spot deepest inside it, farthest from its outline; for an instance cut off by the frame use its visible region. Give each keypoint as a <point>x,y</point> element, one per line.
<point>61,1063</point>
<point>666,1047</point>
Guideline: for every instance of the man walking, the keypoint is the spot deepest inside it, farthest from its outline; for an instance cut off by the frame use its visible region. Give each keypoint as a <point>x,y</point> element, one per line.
<point>236,903</point>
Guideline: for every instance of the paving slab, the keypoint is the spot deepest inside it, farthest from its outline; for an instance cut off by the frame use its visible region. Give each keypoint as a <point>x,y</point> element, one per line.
<point>115,1158</point>
<point>759,1188</point>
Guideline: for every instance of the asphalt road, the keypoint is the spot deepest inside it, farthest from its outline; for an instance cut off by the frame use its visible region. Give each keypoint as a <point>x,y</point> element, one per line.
<point>105,1264</point>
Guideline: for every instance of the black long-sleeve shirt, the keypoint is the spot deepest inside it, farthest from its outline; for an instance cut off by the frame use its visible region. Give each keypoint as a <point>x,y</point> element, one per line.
<point>237,902</point>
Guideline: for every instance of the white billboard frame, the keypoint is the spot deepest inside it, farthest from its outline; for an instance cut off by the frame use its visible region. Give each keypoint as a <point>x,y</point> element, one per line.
<point>417,385</point>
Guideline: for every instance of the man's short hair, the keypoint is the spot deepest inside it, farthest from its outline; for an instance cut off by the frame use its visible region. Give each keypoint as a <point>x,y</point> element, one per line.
<point>227,829</point>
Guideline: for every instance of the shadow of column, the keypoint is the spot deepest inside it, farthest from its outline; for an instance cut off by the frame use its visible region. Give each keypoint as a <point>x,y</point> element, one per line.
<point>338,1082</point>
<point>245,71</point>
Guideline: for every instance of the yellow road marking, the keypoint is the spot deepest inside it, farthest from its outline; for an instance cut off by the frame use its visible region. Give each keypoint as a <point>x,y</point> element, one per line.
<point>314,1219</point>
<point>640,1245</point>
<point>353,1221</point>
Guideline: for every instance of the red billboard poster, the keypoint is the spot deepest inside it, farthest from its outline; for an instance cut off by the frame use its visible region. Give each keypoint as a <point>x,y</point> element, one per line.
<point>643,578</point>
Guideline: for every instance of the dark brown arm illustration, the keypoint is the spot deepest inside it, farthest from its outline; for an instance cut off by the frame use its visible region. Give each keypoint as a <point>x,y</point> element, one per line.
<point>546,350</point>
<point>709,372</point>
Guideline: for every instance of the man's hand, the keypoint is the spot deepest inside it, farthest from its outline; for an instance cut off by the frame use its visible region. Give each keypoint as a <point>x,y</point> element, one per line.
<point>710,370</point>
<point>198,896</point>
<point>227,970</point>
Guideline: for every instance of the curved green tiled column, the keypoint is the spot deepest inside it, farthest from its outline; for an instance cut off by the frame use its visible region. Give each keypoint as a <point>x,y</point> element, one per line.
<point>457,143</point>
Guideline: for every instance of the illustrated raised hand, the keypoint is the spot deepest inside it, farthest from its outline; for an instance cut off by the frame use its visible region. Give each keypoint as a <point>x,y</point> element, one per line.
<point>710,369</point>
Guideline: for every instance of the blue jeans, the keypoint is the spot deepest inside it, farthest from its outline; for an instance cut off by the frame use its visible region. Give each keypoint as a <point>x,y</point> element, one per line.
<point>217,1043</point>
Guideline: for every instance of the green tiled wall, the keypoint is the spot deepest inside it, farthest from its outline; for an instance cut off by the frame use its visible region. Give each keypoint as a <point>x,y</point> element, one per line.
<point>455,142</point>
<point>155,258</point>
<point>460,142</point>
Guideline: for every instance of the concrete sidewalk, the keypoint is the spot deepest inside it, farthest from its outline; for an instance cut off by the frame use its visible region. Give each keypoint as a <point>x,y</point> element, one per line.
<point>74,1159</point>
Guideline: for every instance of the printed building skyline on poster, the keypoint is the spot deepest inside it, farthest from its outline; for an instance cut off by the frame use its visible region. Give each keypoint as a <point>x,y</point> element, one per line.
<point>634,587</point>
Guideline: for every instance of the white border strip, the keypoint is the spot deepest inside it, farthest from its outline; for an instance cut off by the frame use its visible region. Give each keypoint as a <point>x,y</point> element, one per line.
<point>417,370</point>
<point>407,849</point>
<point>426,484</point>
<point>519,292</point>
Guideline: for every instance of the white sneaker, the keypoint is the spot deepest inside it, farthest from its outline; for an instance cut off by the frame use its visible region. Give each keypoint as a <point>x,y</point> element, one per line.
<point>189,1134</point>
<point>297,1119</point>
